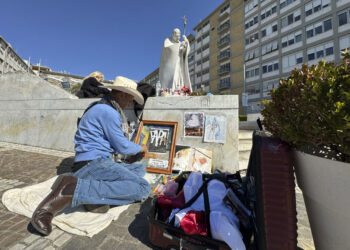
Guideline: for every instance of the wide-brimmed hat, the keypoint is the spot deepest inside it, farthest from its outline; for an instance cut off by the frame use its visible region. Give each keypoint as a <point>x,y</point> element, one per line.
<point>127,86</point>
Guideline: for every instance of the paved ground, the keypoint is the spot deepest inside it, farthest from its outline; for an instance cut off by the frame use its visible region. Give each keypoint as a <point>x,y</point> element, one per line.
<point>23,165</point>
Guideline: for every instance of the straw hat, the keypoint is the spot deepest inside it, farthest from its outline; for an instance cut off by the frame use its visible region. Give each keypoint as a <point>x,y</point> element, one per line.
<point>127,86</point>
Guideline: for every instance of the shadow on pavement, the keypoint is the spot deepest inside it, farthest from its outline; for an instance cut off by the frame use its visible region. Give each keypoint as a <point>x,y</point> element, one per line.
<point>65,165</point>
<point>139,226</point>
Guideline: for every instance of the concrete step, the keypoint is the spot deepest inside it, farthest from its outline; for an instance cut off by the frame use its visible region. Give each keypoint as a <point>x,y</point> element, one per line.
<point>244,155</point>
<point>243,165</point>
<point>244,145</point>
<point>245,134</point>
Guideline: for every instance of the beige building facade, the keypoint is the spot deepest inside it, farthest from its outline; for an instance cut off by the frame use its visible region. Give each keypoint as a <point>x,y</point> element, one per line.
<point>10,61</point>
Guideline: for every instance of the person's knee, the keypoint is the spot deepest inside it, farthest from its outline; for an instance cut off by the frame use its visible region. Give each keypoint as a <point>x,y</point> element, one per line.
<point>145,188</point>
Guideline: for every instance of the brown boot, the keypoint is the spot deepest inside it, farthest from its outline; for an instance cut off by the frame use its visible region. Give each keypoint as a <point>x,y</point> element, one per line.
<point>60,197</point>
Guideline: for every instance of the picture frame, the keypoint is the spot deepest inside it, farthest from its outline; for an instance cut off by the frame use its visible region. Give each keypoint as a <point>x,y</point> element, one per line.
<point>160,138</point>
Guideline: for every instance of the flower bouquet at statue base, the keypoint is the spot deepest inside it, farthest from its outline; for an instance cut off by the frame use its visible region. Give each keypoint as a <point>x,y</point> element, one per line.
<point>184,91</point>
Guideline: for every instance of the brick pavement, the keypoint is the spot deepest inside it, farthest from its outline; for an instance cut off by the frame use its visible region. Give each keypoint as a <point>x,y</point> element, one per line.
<point>23,165</point>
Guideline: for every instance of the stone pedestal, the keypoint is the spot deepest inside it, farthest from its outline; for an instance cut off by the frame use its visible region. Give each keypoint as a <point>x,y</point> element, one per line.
<point>225,156</point>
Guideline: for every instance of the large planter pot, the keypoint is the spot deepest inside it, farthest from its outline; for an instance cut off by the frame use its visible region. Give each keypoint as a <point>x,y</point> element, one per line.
<point>326,190</point>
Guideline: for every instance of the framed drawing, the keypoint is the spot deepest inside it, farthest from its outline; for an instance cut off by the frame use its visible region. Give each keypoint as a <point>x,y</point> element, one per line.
<point>160,138</point>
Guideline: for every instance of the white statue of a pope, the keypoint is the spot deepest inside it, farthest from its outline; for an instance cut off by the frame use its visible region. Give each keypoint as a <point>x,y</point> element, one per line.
<point>173,70</point>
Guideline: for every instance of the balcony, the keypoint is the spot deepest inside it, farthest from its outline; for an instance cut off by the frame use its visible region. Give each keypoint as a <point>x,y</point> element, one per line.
<point>223,27</point>
<point>224,69</point>
<point>223,41</point>
<point>224,14</point>
<point>225,83</point>
<point>224,55</point>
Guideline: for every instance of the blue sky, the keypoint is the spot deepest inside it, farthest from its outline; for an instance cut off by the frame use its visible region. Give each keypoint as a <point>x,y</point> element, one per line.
<point>116,37</point>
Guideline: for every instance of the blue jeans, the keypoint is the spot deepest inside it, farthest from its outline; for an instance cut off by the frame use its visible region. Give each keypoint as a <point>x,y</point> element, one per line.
<point>103,181</point>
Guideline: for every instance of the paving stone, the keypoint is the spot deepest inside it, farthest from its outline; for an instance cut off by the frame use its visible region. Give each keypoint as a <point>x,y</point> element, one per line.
<point>109,244</point>
<point>23,166</point>
<point>31,238</point>
<point>49,248</point>
<point>54,234</point>
<point>62,239</point>
<point>18,247</point>
<point>10,240</point>
<point>39,244</point>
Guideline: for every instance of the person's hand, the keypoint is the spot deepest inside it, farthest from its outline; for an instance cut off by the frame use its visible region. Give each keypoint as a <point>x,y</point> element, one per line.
<point>144,149</point>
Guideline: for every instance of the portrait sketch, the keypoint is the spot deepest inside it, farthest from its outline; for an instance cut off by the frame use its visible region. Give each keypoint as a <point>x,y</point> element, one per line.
<point>215,129</point>
<point>193,124</point>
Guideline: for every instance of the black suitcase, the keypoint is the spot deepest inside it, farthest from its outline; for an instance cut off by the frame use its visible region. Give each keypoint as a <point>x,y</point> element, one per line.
<point>166,236</point>
<point>270,193</point>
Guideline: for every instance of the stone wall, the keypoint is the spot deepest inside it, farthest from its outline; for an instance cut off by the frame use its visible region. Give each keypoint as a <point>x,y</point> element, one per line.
<point>34,112</point>
<point>225,156</point>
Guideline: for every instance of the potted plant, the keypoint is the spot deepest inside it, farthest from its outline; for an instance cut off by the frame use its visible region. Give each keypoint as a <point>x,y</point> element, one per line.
<point>310,110</point>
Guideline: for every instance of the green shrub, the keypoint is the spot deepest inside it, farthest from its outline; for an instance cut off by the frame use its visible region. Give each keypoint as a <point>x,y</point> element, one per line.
<point>75,88</point>
<point>242,118</point>
<point>311,109</point>
<point>194,93</point>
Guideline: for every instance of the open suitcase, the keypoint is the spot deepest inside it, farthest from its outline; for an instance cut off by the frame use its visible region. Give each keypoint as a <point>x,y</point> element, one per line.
<point>270,192</point>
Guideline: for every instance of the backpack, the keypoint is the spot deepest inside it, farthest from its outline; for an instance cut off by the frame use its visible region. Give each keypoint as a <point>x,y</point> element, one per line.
<point>146,90</point>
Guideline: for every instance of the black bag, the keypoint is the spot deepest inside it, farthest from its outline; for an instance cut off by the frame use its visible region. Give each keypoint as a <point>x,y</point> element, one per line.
<point>146,90</point>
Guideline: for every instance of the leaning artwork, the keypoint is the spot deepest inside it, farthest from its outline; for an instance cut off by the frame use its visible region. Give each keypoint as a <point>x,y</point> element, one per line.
<point>160,138</point>
<point>193,124</point>
<point>215,129</point>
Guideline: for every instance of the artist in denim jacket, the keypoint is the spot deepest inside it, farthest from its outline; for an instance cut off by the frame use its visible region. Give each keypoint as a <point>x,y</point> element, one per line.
<point>97,179</point>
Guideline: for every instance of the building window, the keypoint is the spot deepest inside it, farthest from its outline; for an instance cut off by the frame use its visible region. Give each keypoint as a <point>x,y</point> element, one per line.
<point>318,28</point>
<point>252,72</point>
<point>250,5</point>
<point>268,48</point>
<point>224,8</point>
<point>269,85</point>
<point>315,6</point>
<point>251,22</point>
<point>320,51</point>
<point>253,90</point>
<point>292,60</point>
<point>291,39</point>
<point>225,68</point>
<point>252,38</point>
<point>205,60</point>
<point>343,18</point>
<point>284,3</point>
<point>291,18</point>
<point>250,55</point>
<point>270,67</point>
<point>269,29</point>
<point>344,43</point>
<point>205,47</point>
<point>206,71</point>
<point>265,13</point>
<point>225,82</point>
